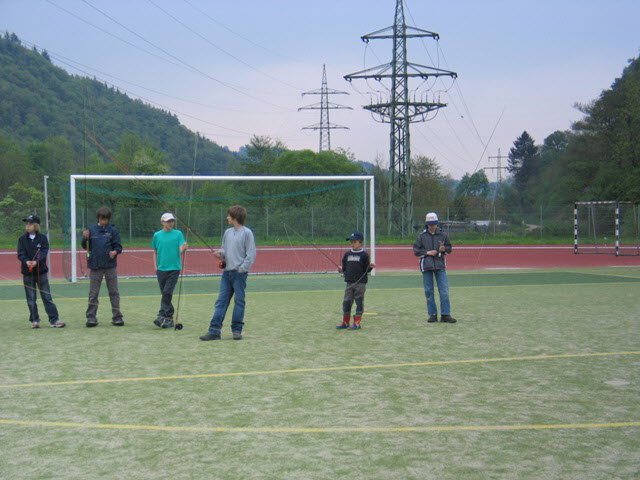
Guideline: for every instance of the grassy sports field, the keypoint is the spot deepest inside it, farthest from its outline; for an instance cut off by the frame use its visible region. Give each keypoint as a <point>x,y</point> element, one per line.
<point>538,379</point>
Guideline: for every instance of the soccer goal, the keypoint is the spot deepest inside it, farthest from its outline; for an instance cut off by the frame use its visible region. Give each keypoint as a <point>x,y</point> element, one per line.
<point>300,222</point>
<point>607,227</point>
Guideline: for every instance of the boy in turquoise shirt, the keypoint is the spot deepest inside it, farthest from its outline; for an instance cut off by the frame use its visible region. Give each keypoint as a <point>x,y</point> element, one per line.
<point>168,245</point>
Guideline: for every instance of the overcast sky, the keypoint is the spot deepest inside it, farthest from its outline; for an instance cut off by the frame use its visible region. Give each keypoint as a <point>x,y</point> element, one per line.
<point>233,69</point>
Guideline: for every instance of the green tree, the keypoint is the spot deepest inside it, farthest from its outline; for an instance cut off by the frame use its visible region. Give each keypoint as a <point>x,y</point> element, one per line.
<point>431,188</point>
<point>471,196</point>
<point>20,200</point>
<point>522,160</point>
<point>13,164</point>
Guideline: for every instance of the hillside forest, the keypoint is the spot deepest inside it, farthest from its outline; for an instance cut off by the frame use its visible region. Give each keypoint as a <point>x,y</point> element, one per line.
<point>48,116</point>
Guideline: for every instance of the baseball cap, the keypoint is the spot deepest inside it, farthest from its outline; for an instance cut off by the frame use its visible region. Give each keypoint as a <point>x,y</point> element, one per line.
<point>32,219</point>
<point>431,218</point>
<point>167,216</point>
<point>356,236</point>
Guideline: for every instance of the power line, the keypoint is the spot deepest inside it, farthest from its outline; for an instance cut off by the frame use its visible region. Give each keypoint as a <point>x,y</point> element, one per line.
<point>195,69</point>
<point>238,34</point>
<point>220,48</point>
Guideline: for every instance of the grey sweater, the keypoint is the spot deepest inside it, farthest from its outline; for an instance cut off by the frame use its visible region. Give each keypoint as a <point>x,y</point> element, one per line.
<point>238,249</point>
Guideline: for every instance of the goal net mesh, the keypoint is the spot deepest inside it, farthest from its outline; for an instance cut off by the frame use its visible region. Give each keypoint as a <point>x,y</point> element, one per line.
<point>299,226</point>
<point>607,227</point>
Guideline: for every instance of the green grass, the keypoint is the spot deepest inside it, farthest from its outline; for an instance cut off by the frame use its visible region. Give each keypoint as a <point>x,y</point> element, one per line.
<point>291,373</point>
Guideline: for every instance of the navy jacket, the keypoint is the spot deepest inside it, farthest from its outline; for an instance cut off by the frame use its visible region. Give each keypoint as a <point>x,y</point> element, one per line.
<point>427,241</point>
<point>356,266</point>
<point>36,249</point>
<point>101,241</point>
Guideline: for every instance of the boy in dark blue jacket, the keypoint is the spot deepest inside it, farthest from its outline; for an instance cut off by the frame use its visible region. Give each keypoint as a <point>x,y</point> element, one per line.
<point>102,242</point>
<point>33,248</point>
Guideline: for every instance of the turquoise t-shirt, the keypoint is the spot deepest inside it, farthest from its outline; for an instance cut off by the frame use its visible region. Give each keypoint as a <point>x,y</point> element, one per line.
<point>167,247</point>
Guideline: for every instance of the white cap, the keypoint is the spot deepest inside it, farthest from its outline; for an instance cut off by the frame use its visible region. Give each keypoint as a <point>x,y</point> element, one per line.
<point>166,217</point>
<point>431,218</point>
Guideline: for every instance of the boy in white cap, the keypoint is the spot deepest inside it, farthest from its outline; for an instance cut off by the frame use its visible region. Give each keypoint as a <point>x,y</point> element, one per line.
<point>431,246</point>
<point>168,245</point>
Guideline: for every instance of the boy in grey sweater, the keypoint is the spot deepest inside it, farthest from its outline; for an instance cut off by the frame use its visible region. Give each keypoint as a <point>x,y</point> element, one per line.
<point>236,256</point>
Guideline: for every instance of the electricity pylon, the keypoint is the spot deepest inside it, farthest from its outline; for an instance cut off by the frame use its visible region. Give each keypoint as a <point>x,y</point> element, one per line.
<point>399,110</point>
<point>324,106</point>
<point>499,168</point>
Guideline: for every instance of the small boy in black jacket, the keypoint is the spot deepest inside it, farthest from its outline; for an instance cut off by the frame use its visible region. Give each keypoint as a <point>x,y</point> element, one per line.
<point>33,248</point>
<point>355,266</point>
<point>102,242</point>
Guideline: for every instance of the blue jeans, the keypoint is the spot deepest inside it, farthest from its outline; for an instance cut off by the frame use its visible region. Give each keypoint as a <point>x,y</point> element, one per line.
<point>443,290</point>
<point>33,283</point>
<point>231,284</point>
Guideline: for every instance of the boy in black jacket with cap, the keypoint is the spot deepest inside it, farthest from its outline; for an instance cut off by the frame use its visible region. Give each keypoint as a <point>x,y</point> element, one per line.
<point>33,248</point>
<point>355,266</point>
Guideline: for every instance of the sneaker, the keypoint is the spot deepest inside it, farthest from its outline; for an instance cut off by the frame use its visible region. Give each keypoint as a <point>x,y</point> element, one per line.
<point>93,322</point>
<point>447,319</point>
<point>157,322</point>
<point>237,335</point>
<point>209,336</point>
<point>118,322</point>
<point>355,326</point>
<point>58,325</point>
<point>432,318</point>
<point>35,324</point>
<point>168,323</point>
<point>342,326</point>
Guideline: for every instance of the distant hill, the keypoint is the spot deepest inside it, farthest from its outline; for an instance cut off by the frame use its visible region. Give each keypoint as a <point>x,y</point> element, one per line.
<point>39,100</point>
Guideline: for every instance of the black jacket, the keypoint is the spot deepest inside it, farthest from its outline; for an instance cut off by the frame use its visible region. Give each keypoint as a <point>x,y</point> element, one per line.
<point>101,241</point>
<point>33,250</point>
<point>427,241</point>
<point>356,266</point>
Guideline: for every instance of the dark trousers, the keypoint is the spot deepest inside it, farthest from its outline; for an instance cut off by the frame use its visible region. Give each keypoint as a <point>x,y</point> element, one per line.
<point>95,281</point>
<point>354,291</point>
<point>33,283</point>
<point>167,282</point>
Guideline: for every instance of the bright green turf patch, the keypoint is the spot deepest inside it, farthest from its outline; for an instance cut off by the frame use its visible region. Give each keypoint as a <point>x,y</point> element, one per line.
<point>290,326</point>
<point>280,283</point>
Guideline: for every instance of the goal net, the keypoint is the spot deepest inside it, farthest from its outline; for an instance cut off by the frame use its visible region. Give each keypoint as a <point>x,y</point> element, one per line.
<point>606,227</point>
<point>300,223</point>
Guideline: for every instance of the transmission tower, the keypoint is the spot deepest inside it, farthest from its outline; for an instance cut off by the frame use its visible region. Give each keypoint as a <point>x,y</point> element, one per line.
<point>324,106</point>
<point>499,168</point>
<point>400,110</point>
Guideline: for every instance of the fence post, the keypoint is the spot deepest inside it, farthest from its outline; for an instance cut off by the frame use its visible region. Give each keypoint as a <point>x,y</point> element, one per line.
<point>540,221</point>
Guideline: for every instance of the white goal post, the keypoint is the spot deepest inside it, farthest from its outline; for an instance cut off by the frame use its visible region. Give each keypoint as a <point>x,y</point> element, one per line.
<point>368,181</point>
<point>606,227</point>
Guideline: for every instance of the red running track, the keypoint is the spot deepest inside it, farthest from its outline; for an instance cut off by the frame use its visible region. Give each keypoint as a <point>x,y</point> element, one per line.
<point>388,258</point>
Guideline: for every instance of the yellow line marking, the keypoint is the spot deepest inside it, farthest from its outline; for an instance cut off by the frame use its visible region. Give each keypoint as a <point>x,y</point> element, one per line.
<point>314,370</point>
<point>437,428</point>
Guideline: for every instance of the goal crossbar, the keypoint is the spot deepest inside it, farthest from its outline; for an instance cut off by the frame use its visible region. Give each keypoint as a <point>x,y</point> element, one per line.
<point>368,179</point>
